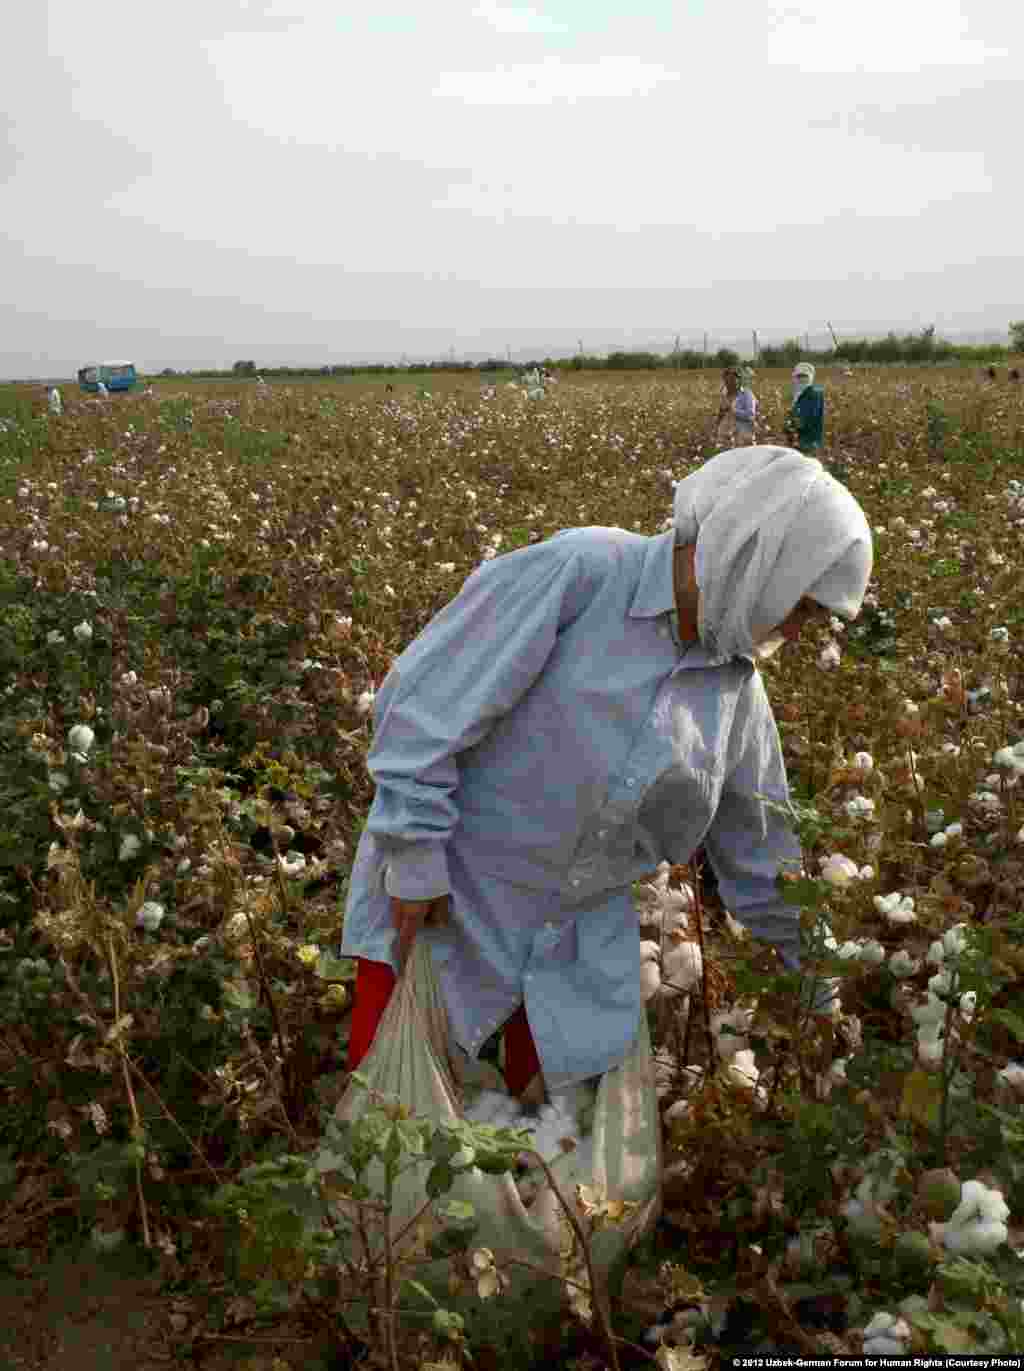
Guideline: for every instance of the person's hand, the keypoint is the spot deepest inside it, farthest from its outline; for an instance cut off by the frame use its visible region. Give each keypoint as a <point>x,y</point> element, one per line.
<point>409,916</point>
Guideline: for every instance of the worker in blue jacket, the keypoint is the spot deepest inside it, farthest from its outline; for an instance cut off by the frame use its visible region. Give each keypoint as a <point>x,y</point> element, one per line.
<point>584,709</point>
<point>805,422</point>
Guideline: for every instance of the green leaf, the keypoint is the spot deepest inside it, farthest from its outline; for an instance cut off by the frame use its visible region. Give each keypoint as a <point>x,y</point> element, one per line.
<point>440,1180</point>
<point>422,1290</point>
<point>330,968</point>
<point>457,1211</point>
<point>1011,1021</point>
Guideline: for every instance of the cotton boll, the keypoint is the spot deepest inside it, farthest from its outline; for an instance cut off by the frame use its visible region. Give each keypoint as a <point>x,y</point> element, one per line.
<point>838,870</point>
<point>742,1071</point>
<point>681,966</point>
<point>968,1004</point>
<point>81,738</point>
<point>864,761</point>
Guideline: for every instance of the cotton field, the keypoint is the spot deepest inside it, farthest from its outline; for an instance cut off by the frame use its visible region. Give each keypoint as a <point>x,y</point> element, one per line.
<point>202,590</point>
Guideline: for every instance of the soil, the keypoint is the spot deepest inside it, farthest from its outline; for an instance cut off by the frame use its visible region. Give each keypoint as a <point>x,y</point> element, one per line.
<point>78,1310</point>
<point>82,1313</point>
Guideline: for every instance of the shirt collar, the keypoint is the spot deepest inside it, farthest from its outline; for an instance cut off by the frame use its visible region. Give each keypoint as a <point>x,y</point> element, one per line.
<point>656,594</point>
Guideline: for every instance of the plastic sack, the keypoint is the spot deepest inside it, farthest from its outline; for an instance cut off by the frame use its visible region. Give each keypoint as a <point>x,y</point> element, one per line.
<point>412,1058</point>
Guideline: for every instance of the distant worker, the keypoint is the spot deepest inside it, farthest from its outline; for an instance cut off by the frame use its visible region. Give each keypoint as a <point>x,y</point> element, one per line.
<point>54,401</point>
<point>805,422</point>
<point>1014,374</point>
<point>991,373</point>
<point>737,408</point>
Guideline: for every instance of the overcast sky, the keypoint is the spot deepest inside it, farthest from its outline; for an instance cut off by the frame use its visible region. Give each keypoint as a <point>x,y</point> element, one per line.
<point>303,181</point>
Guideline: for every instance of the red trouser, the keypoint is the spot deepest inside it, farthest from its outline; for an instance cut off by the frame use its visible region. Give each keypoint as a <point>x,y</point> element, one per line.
<point>374,984</point>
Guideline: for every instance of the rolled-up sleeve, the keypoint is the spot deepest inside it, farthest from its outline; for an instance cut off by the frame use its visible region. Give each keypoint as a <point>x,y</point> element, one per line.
<point>470,666</point>
<point>750,842</point>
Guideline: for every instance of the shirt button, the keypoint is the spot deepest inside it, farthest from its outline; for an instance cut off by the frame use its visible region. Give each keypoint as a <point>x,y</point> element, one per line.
<point>576,881</point>
<point>602,833</point>
<point>528,976</point>
<point>631,781</point>
<point>663,630</point>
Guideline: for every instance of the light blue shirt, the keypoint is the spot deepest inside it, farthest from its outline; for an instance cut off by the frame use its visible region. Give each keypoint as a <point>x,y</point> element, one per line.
<point>543,743</point>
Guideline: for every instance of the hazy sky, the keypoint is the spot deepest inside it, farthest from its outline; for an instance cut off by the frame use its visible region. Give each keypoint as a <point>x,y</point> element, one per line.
<point>311,180</point>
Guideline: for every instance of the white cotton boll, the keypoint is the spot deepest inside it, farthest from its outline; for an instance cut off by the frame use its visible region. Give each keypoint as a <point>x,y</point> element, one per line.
<point>901,964</point>
<point>681,966</point>
<point>292,863</point>
<point>838,870</point>
<point>968,1004</point>
<point>849,950</point>
<point>81,738</point>
<point>650,979</point>
<point>938,840</point>
<point>130,845</point>
<point>742,1069</point>
<point>860,807</point>
<point>365,703</point>
<point>867,873</point>
<point>864,761</point>
<point>150,916</point>
<point>830,656</point>
<point>83,631</point>
<point>897,907</point>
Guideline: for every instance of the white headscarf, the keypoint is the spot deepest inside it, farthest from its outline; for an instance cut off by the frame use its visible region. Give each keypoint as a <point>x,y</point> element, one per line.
<point>803,376</point>
<point>770,526</point>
